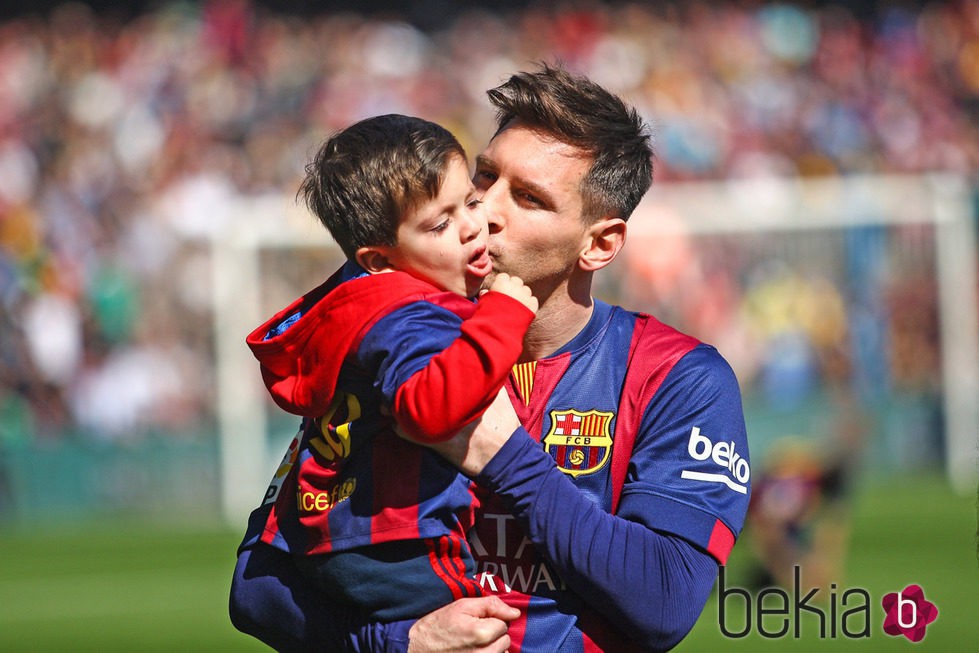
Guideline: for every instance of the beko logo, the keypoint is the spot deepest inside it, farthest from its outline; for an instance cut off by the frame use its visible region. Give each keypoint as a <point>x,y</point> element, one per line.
<point>723,454</point>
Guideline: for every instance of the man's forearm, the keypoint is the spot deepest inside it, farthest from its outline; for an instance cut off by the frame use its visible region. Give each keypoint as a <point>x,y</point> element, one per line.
<point>480,441</point>
<point>649,585</point>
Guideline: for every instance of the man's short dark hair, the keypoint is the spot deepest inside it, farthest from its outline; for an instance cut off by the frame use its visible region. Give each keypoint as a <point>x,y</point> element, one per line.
<point>577,111</point>
<point>366,177</point>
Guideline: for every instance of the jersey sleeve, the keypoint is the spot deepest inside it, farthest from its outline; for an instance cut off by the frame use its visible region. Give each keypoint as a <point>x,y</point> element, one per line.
<point>438,372</point>
<point>690,473</point>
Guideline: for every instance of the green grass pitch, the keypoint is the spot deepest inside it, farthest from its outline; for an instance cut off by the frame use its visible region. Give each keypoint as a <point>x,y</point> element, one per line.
<point>123,587</point>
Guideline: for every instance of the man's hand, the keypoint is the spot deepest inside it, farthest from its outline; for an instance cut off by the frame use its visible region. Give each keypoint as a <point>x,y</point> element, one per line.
<point>479,441</point>
<point>464,626</point>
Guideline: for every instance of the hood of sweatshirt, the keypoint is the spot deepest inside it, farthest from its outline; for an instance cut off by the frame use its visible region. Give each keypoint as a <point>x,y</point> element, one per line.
<point>302,347</point>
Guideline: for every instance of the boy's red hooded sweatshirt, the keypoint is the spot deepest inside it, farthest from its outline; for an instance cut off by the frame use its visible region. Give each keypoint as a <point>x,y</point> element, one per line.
<point>301,365</point>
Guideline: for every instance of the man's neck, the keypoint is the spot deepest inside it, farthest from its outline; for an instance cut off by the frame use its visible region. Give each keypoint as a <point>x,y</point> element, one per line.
<point>558,321</point>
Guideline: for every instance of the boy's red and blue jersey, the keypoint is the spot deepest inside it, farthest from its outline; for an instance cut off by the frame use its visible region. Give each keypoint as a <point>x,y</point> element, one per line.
<point>349,355</point>
<point>683,460</point>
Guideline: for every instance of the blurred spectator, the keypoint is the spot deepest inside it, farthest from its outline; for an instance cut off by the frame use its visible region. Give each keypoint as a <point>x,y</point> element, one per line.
<point>126,138</point>
<point>798,517</point>
<point>801,505</point>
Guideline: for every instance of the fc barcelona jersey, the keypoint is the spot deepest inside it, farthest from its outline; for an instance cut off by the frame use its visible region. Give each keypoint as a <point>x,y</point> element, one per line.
<point>677,418</point>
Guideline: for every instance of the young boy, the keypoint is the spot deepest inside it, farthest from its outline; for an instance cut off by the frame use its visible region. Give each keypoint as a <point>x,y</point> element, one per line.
<point>392,336</point>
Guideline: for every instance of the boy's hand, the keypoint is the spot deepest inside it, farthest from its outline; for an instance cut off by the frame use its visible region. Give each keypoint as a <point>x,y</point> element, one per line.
<point>515,288</point>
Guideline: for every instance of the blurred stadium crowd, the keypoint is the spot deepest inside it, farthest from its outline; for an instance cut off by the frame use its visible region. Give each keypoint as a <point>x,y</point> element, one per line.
<point>122,139</point>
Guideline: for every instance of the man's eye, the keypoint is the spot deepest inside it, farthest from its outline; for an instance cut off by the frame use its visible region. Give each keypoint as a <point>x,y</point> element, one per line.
<point>483,178</point>
<point>527,198</point>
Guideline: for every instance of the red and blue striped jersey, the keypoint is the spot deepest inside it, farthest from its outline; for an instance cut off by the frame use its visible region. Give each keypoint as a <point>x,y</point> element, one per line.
<point>604,517</point>
<point>663,446</point>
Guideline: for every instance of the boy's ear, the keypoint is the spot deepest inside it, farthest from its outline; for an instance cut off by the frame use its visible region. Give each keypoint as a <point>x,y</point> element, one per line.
<point>374,259</point>
<point>604,240</point>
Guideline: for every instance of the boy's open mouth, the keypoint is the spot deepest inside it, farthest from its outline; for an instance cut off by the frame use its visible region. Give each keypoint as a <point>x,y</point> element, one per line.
<point>479,264</point>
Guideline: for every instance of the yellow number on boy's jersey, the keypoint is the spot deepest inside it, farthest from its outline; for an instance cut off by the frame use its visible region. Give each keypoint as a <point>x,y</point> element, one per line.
<point>334,441</point>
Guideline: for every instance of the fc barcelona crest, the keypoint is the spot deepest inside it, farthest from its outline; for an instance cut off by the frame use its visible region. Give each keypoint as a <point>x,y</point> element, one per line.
<point>579,442</point>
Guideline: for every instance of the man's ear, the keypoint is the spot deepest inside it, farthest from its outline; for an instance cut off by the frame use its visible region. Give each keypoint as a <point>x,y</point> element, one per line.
<point>374,259</point>
<point>604,240</point>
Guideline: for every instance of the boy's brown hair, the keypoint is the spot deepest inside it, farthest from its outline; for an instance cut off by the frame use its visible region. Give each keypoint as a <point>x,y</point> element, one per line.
<point>366,177</point>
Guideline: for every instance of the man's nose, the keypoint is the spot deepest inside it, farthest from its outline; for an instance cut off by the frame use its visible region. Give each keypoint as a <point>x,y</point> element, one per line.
<point>494,223</point>
<point>492,210</point>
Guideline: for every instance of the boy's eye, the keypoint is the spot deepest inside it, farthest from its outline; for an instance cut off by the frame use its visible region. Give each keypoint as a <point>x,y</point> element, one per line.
<point>440,227</point>
<point>473,202</point>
